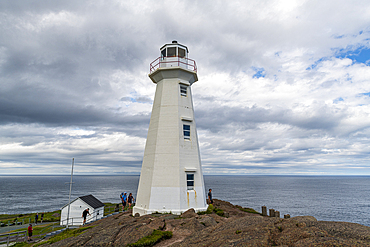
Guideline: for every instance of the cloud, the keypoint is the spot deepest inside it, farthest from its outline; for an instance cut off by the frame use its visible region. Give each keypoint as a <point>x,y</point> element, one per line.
<point>283,85</point>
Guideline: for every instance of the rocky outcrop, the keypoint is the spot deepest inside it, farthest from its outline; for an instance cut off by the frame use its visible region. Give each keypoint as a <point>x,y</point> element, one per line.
<point>238,229</point>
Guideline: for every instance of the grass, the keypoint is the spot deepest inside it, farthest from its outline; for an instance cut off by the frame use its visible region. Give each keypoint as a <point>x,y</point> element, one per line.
<point>152,239</point>
<point>219,212</point>
<point>249,210</point>
<point>208,211</point>
<point>37,230</point>
<point>110,207</point>
<point>12,218</point>
<point>213,209</point>
<point>63,235</point>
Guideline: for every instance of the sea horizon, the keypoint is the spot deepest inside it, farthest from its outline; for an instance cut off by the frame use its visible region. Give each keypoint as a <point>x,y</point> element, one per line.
<point>138,174</point>
<point>325,197</point>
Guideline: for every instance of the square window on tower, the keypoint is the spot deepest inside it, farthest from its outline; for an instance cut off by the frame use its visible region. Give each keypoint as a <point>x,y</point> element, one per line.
<point>190,181</point>
<point>186,129</point>
<point>182,53</point>
<point>163,54</point>
<point>183,90</point>
<point>171,52</point>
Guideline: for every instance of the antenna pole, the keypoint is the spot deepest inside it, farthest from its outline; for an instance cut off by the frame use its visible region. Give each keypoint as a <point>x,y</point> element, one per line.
<point>70,191</point>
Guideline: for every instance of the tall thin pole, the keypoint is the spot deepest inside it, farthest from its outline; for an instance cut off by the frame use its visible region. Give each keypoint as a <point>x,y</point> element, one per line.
<point>70,191</point>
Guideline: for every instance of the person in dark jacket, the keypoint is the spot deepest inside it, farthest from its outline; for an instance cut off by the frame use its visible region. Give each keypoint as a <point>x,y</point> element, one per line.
<point>84,215</point>
<point>210,201</point>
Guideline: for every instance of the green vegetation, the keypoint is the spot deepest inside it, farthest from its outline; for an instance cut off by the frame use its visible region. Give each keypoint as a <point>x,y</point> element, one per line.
<point>63,235</point>
<point>156,213</point>
<point>249,210</point>
<point>40,229</point>
<point>29,218</point>
<point>219,212</point>
<point>21,244</point>
<point>208,211</point>
<point>152,239</point>
<point>212,209</point>
<point>237,231</point>
<point>112,207</point>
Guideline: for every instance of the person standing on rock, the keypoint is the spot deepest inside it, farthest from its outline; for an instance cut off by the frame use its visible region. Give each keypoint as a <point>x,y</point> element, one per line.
<point>210,201</point>
<point>84,215</point>
<point>124,200</point>
<point>130,200</point>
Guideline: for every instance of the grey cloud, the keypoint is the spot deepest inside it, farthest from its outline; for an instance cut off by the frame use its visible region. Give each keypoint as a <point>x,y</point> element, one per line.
<point>217,117</point>
<point>78,65</point>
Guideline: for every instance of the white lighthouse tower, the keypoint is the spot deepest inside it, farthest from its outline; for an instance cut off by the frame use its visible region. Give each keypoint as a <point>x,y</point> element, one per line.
<point>171,177</point>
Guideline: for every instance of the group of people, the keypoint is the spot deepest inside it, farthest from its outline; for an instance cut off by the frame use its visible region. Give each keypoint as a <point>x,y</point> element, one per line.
<point>130,199</point>
<point>126,200</point>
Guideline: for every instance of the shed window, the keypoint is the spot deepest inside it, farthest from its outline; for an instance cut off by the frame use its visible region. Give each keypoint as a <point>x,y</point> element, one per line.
<point>171,51</point>
<point>181,53</point>
<point>183,90</point>
<point>190,181</point>
<point>186,129</point>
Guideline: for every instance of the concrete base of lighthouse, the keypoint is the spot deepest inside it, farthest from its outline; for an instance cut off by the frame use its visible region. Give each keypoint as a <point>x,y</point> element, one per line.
<point>168,203</point>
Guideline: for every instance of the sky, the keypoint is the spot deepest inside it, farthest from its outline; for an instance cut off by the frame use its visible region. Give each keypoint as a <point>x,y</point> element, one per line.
<point>283,85</point>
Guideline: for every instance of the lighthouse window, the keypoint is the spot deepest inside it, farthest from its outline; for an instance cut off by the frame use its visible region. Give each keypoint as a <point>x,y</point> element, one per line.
<point>183,90</point>
<point>186,129</point>
<point>163,53</point>
<point>181,53</point>
<point>171,51</point>
<point>190,181</point>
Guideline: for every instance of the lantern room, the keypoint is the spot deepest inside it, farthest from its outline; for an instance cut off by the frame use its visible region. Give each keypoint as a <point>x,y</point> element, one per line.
<point>174,50</point>
<point>173,55</point>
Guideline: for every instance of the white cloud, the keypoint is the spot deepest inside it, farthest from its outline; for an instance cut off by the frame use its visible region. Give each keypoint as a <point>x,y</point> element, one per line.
<point>275,93</point>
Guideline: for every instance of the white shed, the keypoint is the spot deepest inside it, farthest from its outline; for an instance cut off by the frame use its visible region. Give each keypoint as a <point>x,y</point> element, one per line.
<point>78,205</point>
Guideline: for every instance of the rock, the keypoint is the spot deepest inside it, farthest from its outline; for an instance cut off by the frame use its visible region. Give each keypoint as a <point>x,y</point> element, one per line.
<point>304,219</point>
<point>190,213</point>
<point>240,229</point>
<point>208,221</point>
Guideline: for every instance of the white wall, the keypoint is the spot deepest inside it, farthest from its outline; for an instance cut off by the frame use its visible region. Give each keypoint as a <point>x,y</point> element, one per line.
<point>75,214</point>
<point>167,156</point>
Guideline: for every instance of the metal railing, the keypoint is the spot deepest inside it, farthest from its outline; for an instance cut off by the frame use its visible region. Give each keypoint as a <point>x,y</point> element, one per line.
<point>79,220</point>
<point>49,228</point>
<point>13,237</point>
<point>177,61</point>
<point>22,222</point>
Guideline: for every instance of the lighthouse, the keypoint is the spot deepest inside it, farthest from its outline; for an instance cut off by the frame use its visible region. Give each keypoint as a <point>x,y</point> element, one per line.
<point>171,179</point>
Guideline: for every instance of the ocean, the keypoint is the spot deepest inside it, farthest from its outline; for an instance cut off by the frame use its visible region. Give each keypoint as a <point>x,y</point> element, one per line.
<point>328,198</point>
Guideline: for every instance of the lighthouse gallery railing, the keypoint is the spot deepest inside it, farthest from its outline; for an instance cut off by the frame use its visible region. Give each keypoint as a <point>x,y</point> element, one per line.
<point>173,61</point>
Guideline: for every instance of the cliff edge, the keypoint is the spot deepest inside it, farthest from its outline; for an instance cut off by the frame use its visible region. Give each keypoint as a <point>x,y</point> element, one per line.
<point>239,228</point>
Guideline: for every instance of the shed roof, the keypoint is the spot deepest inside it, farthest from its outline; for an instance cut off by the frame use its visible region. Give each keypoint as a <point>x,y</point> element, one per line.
<point>92,201</point>
<point>89,200</point>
